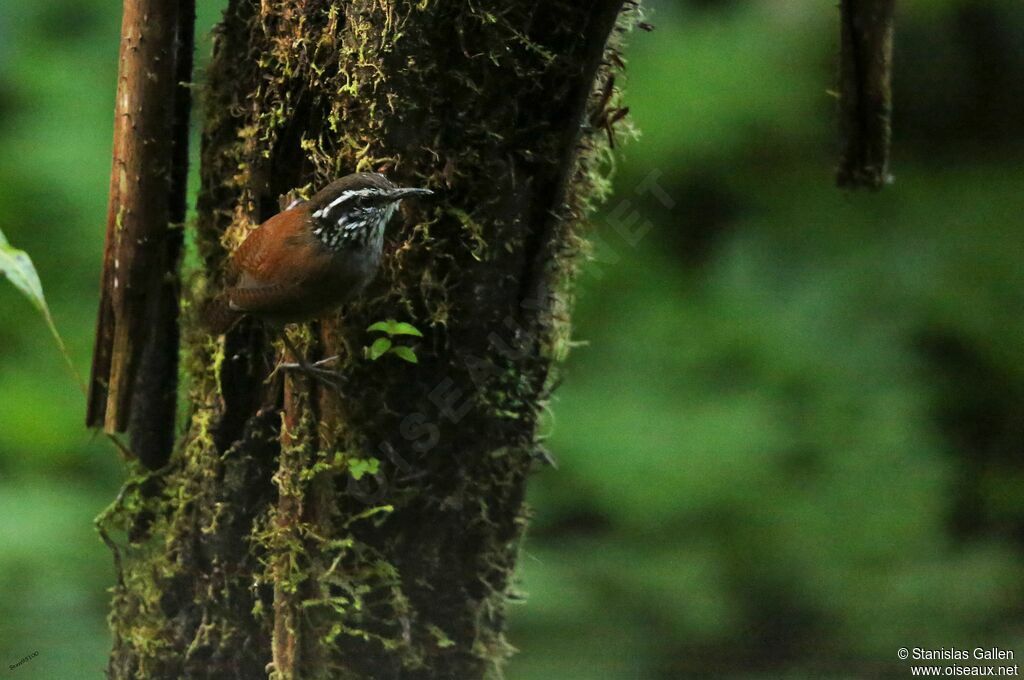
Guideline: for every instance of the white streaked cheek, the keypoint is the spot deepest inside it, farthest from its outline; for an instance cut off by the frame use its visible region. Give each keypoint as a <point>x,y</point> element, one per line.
<point>345,196</point>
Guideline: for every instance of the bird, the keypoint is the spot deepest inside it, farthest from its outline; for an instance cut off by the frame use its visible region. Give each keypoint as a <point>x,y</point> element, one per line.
<point>309,259</point>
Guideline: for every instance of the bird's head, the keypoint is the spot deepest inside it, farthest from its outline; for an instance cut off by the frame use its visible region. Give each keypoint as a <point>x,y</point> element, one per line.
<point>352,211</point>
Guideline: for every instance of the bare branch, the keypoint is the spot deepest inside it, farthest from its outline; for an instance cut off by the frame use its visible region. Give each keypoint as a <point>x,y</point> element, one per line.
<point>137,253</point>
<point>865,92</point>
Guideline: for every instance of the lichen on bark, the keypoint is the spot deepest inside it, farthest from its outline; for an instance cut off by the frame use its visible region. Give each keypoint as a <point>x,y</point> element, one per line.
<point>372,533</point>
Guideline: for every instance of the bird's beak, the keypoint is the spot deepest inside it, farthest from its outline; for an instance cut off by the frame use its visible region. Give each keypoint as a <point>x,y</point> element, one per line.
<point>399,194</point>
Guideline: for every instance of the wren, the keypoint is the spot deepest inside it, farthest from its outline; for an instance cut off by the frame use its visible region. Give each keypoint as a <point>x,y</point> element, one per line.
<point>310,258</point>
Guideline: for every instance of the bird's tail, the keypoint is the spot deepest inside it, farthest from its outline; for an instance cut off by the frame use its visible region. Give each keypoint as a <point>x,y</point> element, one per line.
<point>217,316</point>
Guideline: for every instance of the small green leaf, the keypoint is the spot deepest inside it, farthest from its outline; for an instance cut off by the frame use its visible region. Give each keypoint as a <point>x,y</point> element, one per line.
<point>17,267</point>
<point>402,328</point>
<point>392,327</point>
<point>379,347</point>
<point>405,353</point>
<point>358,467</point>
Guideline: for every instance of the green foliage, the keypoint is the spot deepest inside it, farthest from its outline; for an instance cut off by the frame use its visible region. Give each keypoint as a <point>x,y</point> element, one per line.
<point>774,455</point>
<point>357,467</point>
<point>379,347</point>
<point>393,328</point>
<point>405,353</point>
<point>17,266</point>
<point>385,345</point>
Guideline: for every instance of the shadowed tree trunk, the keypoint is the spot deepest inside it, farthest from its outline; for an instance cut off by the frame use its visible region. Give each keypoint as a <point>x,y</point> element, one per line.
<point>372,534</point>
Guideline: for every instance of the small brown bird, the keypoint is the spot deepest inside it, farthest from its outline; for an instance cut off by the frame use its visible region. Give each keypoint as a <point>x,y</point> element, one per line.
<point>310,258</point>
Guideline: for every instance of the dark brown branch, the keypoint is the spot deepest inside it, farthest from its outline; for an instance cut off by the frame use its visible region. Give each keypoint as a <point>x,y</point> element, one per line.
<point>865,92</point>
<point>153,410</point>
<point>137,219</point>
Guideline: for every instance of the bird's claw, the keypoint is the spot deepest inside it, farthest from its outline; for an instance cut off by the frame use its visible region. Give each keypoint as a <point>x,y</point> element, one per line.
<point>315,371</point>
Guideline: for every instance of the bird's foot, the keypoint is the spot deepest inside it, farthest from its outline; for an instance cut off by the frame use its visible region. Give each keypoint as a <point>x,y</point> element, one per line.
<point>316,371</point>
<point>304,365</point>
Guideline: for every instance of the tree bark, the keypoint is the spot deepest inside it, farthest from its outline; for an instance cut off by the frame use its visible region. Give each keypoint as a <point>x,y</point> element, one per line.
<point>154,411</point>
<point>372,533</point>
<point>135,360</point>
<point>865,92</point>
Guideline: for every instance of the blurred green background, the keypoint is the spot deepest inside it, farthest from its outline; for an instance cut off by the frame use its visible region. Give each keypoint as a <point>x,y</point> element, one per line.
<point>794,439</point>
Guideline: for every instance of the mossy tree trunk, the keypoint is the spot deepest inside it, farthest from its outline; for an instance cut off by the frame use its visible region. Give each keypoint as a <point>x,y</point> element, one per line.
<point>373,533</point>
